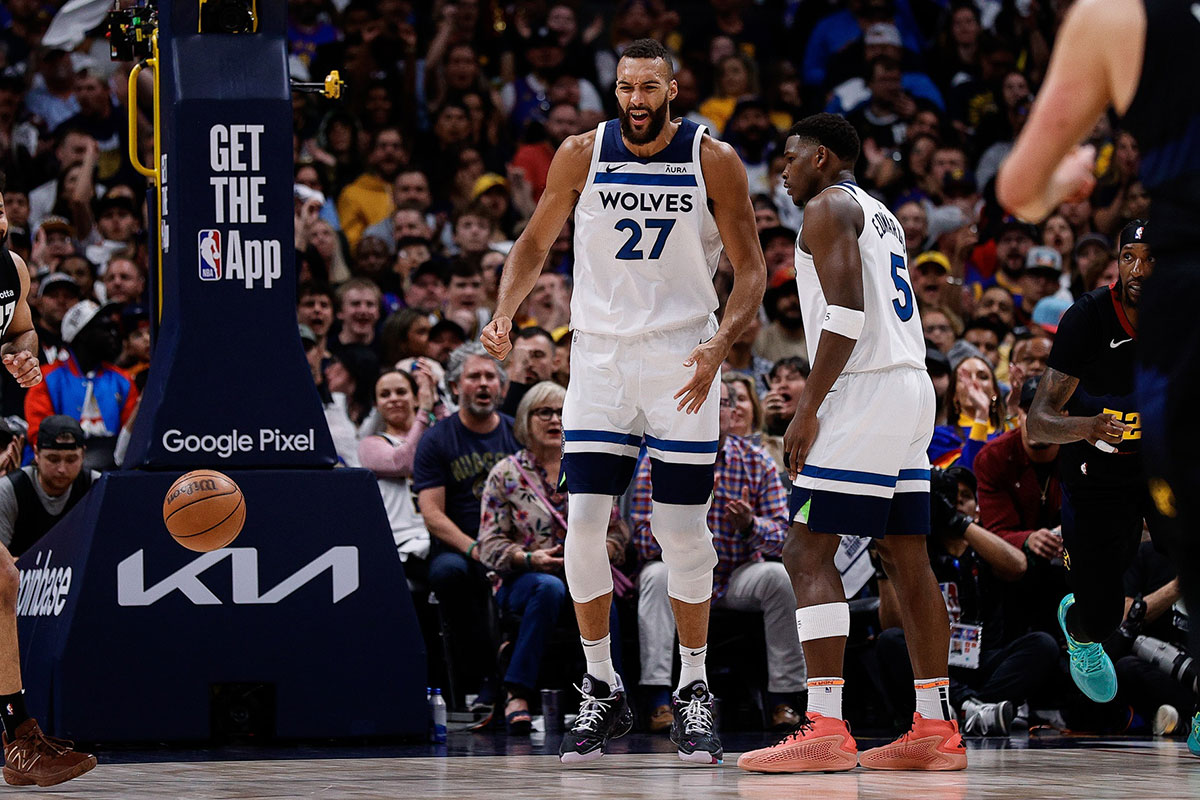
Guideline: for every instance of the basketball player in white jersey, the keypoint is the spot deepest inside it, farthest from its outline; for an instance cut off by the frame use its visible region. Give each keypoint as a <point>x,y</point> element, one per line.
<point>654,198</point>
<point>856,454</point>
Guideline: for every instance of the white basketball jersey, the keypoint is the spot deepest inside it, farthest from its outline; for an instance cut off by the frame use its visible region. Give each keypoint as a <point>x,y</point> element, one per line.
<point>891,334</point>
<point>646,245</point>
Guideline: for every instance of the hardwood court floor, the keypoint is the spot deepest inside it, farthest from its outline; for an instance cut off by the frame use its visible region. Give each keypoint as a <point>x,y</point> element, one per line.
<point>1091,769</point>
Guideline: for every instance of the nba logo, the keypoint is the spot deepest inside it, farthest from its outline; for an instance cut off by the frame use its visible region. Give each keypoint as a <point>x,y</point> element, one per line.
<point>210,255</point>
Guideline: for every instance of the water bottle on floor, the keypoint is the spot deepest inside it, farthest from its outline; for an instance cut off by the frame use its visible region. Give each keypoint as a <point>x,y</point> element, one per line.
<point>438,712</point>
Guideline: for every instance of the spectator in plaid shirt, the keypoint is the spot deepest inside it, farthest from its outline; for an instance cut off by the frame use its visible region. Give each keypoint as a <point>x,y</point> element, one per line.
<point>749,520</point>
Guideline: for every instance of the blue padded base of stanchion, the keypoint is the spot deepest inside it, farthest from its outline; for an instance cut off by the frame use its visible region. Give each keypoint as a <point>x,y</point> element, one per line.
<point>127,636</point>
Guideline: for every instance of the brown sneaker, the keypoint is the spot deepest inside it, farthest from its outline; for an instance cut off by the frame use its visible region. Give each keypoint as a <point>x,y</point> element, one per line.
<point>661,719</point>
<point>784,717</point>
<point>32,757</point>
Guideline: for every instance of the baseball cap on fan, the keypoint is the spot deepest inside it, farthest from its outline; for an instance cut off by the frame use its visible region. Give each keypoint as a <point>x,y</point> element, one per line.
<point>884,33</point>
<point>59,432</point>
<point>79,315</point>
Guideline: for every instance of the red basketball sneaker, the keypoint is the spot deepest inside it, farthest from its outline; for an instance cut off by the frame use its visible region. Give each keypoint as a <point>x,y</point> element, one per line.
<point>931,744</point>
<point>32,757</point>
<point>819,744</point>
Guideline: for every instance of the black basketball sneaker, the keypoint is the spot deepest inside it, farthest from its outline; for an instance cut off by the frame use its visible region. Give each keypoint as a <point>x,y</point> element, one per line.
<point>693,729</point>
<point>604,714</point>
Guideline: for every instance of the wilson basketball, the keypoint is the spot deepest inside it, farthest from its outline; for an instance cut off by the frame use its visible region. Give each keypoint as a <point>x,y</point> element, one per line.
<point>204,510</point>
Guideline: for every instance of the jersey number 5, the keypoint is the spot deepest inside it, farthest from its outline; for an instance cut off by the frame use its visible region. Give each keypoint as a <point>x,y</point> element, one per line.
<point>629,251</point>
<point>904,310</point>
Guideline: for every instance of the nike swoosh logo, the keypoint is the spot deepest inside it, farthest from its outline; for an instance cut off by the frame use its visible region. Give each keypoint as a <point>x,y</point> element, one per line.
<point>1114,344</point>
<point>611,168</point>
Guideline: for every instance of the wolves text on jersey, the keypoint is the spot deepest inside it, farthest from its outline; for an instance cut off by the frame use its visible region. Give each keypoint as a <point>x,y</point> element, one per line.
<point>637,201</point>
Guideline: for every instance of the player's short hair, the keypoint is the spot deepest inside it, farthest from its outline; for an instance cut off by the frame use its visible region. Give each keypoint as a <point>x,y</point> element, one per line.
<point>832,131</point>
<point>650,48</point>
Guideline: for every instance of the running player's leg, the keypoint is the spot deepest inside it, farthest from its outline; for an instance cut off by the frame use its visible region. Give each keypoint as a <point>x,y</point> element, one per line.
<point>601,433</point>
<point>29,758</point>
<point>1101,528</point>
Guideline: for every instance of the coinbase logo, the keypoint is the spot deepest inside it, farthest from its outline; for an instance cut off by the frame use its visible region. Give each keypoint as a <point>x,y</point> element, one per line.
<point>209,242</point>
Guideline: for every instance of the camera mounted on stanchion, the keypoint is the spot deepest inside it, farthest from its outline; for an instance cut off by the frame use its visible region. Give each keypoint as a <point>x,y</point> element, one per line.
<point>129,31</point>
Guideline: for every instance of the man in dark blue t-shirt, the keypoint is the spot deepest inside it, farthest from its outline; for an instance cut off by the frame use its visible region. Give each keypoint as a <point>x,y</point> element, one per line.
<point>453,461</point>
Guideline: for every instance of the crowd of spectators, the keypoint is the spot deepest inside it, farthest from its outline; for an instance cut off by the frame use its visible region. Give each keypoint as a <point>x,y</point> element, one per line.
<point>411,189</point>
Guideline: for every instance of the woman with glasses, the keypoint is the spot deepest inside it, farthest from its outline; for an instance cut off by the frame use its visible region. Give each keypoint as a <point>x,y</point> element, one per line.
<point>748,416</point>
<point>521,536</point>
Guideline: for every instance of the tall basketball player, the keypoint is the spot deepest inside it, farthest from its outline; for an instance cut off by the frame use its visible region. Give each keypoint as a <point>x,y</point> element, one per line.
<point>1141,79</point>
<point>30,757</point>
<point>654,199</point>
<point>856,454</point>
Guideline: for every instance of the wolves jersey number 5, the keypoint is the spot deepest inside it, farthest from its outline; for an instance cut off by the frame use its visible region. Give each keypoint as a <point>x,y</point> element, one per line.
<point>904,310</point>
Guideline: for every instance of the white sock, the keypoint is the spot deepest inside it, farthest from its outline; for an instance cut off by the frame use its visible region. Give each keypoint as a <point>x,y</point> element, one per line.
<point>825,696</point>
<point>933,698</point>
<point>692,665</point>
<point>599,660</point>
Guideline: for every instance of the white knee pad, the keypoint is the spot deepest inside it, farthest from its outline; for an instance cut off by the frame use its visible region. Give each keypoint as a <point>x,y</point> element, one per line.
<point>687,550</point>
<point>586,548</point>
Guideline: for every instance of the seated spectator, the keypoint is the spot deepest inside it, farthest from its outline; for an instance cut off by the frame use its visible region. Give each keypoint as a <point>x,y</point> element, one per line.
<point>531,362</point>
<point>368,198</point>
<point>404,401</point>
<point>135,344</point>
<point>748,419</point>
<point>742,358</point>
<point>988,684</point>
<point>938,367</point>
<point>1020,501</point>
<point>83,272</point>
<point>913,217</point>
<point>562,121</point>
<point>426,290</point>
<point>464,297</point>
<point>35,497</point>
<point>1029,358</point>
<point>473,231</point>
<point>784,336</point>
<point>124,281</point>
<point>88,386</point>
<point>985,336</point>
<point>118,227</point>
<point>736,77</point>
<point>358,310</point>
<point>779,251</point>
<point>755,140</point>
<point>749,521</point>
<point>444,338</point>
<point>881,40</point>
<point>521,537</point>
<point>941,326</point>
<point>548,305</point>
<point>314,308</point>
<point>453,461</point>
<point>350,376</point>
<point>1041,278</point>
<point>975,412</point>
<point>405,334</point>
<point>930,273</point>
<point>785,381</point>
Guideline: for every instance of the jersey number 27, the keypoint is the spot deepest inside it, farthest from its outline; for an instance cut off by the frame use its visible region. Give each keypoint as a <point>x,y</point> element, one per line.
<point>630,251</point>
<point>904,310</point>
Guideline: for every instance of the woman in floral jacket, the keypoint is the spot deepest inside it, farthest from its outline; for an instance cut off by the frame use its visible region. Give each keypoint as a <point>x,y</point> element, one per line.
<point>521,537</point>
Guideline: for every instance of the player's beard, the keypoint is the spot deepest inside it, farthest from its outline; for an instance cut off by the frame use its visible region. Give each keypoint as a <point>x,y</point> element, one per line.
<point>654,126</point>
